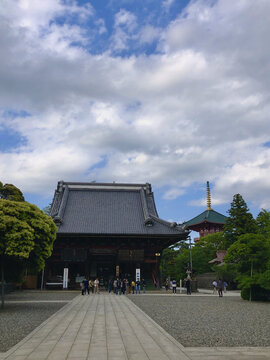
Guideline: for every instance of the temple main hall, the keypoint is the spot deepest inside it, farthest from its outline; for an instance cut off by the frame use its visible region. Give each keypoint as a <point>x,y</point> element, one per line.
<point>107,230</point>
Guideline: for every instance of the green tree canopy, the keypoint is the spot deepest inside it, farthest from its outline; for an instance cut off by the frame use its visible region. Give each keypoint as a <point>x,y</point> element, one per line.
<point>26,234</point>
<point>202,252</point>
<point>251,254</point>
<point>215,241</point>
<point>10,192</point>
<point>239,222</point>
<point>47,209</point>
<point>263,222</point>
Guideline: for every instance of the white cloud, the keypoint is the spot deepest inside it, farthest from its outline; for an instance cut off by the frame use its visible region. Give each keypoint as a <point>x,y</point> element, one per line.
<point>167,4</point>
<point>173,193</point>
<point>126,19</point>
<point>196,111</point>
<point>124,25</point>
<point>101,26</point>
<point>148,34</point>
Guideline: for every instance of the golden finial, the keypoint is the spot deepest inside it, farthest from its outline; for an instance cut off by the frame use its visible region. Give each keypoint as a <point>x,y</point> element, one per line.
<point>208,196</point>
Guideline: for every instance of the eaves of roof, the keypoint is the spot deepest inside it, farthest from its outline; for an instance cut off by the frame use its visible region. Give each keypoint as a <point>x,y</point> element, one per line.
<point>210,216</point>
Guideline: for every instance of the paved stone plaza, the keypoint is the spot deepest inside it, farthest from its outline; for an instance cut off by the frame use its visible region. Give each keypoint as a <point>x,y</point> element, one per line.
<point>113,327</point>
<point>25,310</point>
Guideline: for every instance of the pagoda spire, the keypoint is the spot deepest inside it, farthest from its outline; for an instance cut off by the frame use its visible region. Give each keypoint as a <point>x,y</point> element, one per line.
<point>208,196</point>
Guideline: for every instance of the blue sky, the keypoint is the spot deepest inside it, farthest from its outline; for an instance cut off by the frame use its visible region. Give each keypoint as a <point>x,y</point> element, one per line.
<point>170,92</point>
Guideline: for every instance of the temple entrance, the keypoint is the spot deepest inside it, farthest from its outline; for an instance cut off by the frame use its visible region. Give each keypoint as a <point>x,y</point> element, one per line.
<point>105,272</point>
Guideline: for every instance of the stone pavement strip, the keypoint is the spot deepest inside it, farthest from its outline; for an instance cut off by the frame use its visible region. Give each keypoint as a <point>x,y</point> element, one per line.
<point>110,327</point>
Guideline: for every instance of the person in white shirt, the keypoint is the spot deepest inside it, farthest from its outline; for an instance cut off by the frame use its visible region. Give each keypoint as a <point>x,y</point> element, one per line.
<point>96,285</point>
<point>214,287</point>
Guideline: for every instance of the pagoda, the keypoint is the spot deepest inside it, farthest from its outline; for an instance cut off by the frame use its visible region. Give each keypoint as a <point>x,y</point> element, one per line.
<point>209,221</point>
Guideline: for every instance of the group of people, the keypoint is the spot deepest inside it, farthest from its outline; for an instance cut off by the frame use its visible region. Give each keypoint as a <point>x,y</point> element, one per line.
<point>174,285</point>
<point>126,286</point>
<point>118,286</point>
<point>219,286</point>
<point>90,285</point>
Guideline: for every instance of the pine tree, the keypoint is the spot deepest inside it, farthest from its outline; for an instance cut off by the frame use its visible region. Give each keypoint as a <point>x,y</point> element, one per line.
<point>263,222</point>
<point>239,222</point>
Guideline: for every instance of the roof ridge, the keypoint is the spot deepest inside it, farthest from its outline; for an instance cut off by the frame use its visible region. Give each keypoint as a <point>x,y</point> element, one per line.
<point>56,203</point>
<point>63,203</point>
<point>94,183</point>
<point>147,218</point>
<point>144,204</point>
<point>172,224</point>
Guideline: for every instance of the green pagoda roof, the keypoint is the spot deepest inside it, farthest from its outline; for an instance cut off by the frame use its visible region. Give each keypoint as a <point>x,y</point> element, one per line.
<point>208,215</point>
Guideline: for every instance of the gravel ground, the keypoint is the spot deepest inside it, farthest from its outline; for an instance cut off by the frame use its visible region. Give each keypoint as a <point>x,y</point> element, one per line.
<point>18,319</point>
<point>210,320</point>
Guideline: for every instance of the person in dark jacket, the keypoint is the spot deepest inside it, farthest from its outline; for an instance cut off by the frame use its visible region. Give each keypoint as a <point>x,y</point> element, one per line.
<point>85,286</point>
<point>138,286</point>
<point>188,286</point>
<point>143,285</point>
<point>220,287</point>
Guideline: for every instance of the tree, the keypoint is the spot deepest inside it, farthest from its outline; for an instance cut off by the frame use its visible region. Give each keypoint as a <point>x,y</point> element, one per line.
<point>239,222</point>
<point>167,262</point>
<point>26,233</point>
<point>10,192</point>
<point>168,258</point>
<point>215,241</point>
<point>202,252</point>
<point>47,209</point>
<point>263,222</point>
<point>251,254</point>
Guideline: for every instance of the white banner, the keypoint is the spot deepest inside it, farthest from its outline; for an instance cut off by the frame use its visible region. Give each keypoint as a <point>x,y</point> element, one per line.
<point>65,278</point>
<point>138,274</point>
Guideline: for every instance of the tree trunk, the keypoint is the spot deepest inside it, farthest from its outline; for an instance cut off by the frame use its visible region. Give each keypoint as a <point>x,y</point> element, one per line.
<point>2,282</point>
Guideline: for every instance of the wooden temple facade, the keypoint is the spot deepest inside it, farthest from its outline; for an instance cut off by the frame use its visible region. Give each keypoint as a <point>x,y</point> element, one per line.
<point>107,230</point>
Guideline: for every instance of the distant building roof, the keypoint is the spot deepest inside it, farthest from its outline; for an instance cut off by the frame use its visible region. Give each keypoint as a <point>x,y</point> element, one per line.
<point>208,215</point>
<point>109,208</point>
<point>220,254</point>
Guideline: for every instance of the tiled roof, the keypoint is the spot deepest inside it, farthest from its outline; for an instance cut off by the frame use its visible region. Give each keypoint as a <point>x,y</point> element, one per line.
<point>211,216</point>
<point>98,208</point>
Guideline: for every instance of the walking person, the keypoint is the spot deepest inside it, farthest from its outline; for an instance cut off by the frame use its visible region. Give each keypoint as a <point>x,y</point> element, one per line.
<point>96,286</point>
<point>126,286</point>
<point>86,286</point>
<point>91,286</point>
<point>220,287</point>
<point>82,287</point>
<point>123,287</point>
<point>115,286</point>
<point>225,286</point>
<point>167,284</point>
<point>214,287</point>
<point>174,286</point>
<point>118,286</point>
<point>110,285</point>
<point>143,285</point>
<point>188,286</point>
<point>133,286</point>
<point>129,286</point>
<point>138,286</point>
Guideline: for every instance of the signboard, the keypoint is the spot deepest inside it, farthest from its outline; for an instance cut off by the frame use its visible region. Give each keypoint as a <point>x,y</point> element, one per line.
<point>79,279</point>
<point>117,271</point>
<point>65,278</point>
<point>138,274</point>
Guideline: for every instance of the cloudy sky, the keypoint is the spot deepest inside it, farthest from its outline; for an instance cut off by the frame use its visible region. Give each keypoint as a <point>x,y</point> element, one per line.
<point>171,92</point>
